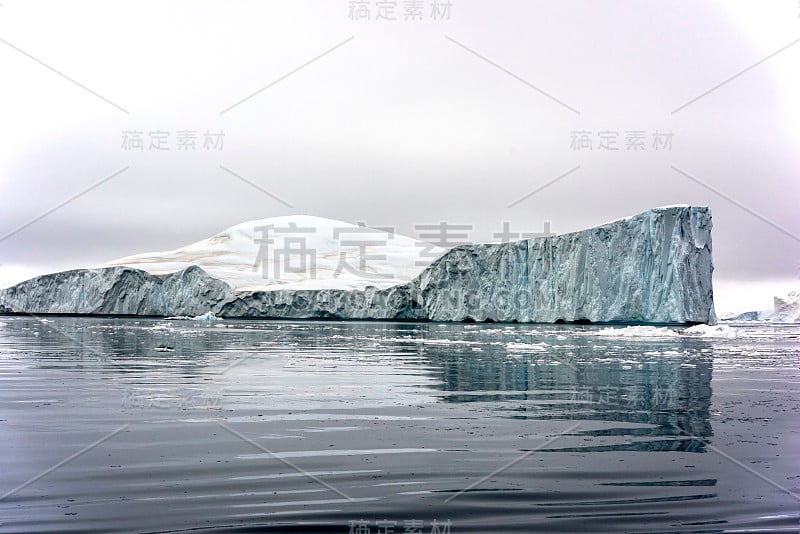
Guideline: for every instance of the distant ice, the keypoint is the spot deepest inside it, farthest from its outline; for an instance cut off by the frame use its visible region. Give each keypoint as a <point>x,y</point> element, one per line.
<point>785,309</point>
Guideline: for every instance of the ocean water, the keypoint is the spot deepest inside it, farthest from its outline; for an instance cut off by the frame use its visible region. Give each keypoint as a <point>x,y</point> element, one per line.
<point>365,427</point>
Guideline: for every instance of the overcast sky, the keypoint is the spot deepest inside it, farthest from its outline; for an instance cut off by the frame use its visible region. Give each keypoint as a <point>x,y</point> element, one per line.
<point>457,117</point>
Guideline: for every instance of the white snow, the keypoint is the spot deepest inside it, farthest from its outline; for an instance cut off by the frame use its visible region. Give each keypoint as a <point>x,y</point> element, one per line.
<point>297,252</point>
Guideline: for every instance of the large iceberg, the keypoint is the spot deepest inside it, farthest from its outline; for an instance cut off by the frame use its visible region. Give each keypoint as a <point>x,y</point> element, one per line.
<point>655,267</point>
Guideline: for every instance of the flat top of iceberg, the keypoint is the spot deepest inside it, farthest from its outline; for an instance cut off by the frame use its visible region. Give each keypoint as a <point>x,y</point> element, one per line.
<point>657,209</point>
<point>296,252</point>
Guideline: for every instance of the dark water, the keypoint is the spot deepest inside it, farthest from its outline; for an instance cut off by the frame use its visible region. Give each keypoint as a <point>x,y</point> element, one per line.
<point>339,427</point>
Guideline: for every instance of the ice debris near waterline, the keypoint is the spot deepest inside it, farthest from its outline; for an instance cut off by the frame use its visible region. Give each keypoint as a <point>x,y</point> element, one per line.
<point>655,267</point>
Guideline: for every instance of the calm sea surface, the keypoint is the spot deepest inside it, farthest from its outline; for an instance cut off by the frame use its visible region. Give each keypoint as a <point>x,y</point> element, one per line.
<point>365,427</point>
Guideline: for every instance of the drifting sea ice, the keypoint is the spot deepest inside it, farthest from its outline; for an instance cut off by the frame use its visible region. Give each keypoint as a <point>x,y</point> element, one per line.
<point>208,316</point>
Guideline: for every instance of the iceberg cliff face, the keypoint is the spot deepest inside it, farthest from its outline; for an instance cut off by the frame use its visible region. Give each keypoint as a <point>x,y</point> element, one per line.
<point>117,291</point>
<point>655,267</point>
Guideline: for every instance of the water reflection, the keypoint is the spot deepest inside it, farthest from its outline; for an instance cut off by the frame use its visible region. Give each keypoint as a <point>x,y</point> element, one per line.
<point>540,371</point>
<point>635,389</point>
<point>399,416</point>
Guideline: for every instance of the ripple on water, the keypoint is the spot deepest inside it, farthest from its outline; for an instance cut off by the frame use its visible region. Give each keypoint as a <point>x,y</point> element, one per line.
<point>313,426</point>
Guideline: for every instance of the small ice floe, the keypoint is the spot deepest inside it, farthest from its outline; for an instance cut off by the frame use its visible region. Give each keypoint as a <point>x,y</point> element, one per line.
<point>638,331</point>
<point>208,316</point>
<point>447,342</point>
<point>704,330</point>
<point>701,330</point>
<point>165,348</point>
<point>527,347</point>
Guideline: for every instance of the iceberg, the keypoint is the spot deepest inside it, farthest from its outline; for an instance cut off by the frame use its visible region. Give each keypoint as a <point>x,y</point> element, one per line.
<point>655,267</point>
<point>785,309</point>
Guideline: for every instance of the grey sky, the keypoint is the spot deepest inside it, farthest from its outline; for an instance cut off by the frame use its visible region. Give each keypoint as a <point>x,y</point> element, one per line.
<point>404,122</point>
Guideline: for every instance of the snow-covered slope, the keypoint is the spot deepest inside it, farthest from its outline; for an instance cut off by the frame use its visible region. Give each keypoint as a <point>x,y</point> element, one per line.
<point>296,252</point>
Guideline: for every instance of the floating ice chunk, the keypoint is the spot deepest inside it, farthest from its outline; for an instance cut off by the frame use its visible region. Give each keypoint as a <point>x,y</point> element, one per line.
<point>444,341</point>
<point>208,316</point>
<point>704,330</point>
<point>527,347</point>
<point>638,331</point>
